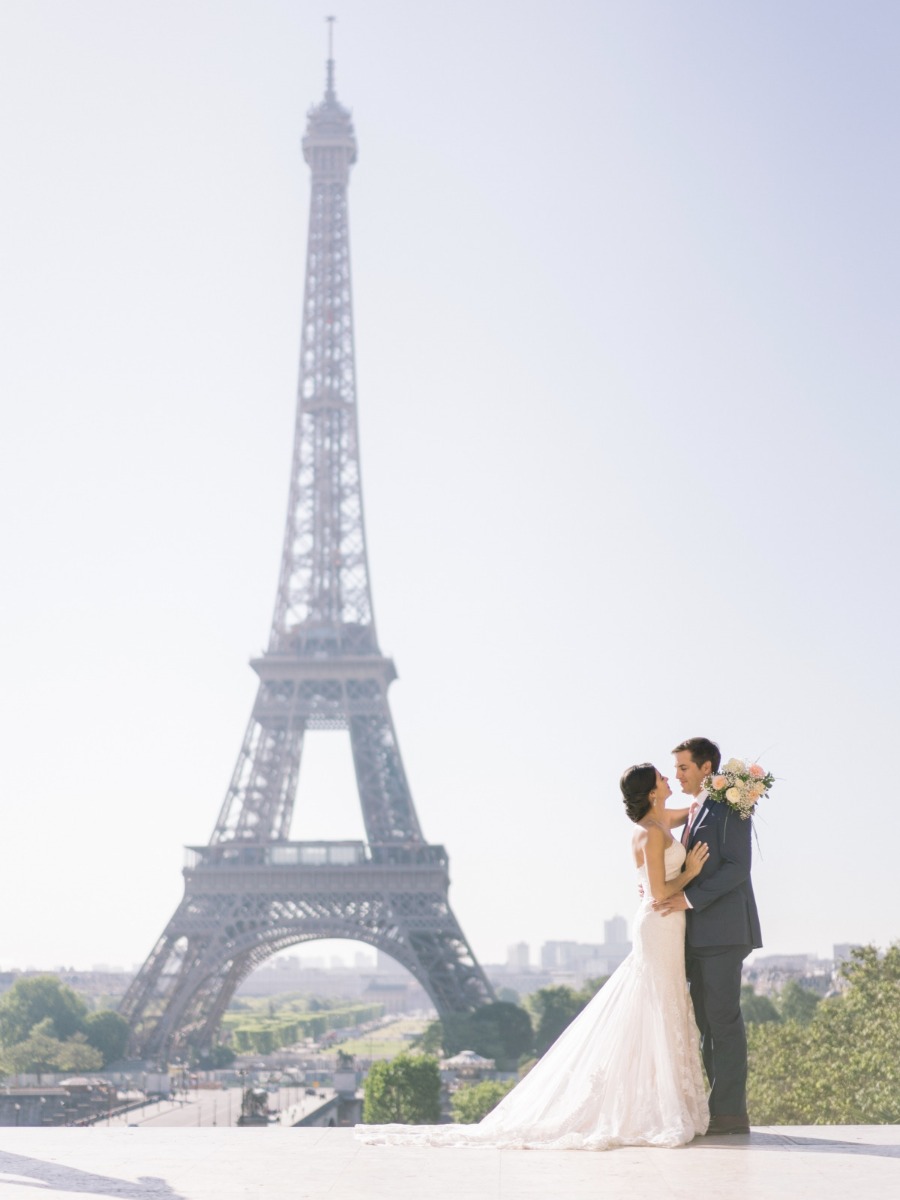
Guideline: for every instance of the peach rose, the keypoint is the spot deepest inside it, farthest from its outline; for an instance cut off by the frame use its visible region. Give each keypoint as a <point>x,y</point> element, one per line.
<point>719,782</point>
<point>757,771</point>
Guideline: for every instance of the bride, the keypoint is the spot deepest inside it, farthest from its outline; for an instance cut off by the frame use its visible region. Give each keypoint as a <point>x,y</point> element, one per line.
<point>626,1072</point>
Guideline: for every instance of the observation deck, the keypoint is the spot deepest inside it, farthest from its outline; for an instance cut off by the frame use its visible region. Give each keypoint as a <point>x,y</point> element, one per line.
<point>312,854</point>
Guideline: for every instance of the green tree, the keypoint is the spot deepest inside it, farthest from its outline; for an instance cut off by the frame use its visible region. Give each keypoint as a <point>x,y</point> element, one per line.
<point>75,1054</point>
<point>471,1103</point>
<point>553,1009</point>
<point>797,1003</point>
<point>506,1030</point>
<point>843,1066</point>
<point>499,1031</point>
<point>215,1058</point>
<point>757,1009</point>
<point>431,1039</point>
<point>406,1090</point>
<point>37,1053</point>
<point>591,987</point>
<point>38,998</point>
<point>41,1052</point>
<point>107,1032</point>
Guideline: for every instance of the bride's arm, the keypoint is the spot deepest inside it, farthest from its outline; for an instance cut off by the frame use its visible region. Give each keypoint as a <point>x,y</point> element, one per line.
<point>674,817</point>
<point>654,848</point>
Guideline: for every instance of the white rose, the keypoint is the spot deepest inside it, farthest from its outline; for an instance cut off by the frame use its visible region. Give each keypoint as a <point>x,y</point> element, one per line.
<point>734,795</point>
<point>734,766</point>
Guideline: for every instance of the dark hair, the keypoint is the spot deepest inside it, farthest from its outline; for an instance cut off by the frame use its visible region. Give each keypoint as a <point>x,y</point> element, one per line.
<point>636,785</point>
<point>701,750</point>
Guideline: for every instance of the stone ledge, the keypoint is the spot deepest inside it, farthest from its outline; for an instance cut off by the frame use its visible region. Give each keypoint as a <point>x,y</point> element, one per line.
<point>828,1162</point>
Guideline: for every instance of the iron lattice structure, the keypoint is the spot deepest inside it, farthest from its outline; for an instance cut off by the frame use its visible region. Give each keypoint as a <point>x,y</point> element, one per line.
<point>251,891</point>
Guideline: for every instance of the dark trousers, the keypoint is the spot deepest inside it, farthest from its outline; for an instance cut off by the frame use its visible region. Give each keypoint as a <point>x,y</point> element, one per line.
<point>714,975</point>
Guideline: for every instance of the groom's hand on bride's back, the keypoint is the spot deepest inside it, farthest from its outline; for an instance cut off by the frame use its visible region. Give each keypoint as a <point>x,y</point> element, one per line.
<point>676,903</point>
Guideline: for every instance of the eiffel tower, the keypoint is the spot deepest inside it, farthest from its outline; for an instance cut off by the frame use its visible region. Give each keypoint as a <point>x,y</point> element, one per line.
<point>252,892</point>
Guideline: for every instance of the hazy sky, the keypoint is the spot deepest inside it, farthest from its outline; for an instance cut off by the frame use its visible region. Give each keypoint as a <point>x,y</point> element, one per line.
<point>625,282</point>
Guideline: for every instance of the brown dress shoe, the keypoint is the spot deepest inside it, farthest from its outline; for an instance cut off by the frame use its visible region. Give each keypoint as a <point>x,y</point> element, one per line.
<point>722,1123</point>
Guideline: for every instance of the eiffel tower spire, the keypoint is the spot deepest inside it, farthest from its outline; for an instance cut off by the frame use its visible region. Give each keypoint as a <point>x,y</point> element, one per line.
<point>251,891</point>
<point>329,66</point>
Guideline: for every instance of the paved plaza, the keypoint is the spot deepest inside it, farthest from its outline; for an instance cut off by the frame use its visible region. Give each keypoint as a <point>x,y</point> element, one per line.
<point>828,1163</point>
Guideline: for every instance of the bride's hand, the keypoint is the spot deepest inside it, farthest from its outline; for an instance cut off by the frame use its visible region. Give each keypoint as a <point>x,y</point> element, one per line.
<point>696,857</point>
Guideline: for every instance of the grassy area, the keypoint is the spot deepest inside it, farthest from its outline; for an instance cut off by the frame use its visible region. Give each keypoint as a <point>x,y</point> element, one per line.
<point>387,1042</point>
<point>263,1031</point>
<point>285,1002</point>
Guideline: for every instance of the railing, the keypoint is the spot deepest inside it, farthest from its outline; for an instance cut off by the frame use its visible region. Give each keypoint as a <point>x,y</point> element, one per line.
<point>312,854</point>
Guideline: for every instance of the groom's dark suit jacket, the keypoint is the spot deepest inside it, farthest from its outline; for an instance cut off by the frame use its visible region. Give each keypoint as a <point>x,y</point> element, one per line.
<point>723,908</point>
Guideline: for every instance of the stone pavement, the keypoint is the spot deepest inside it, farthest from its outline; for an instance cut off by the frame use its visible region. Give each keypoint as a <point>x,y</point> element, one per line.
<point>819,1162</point>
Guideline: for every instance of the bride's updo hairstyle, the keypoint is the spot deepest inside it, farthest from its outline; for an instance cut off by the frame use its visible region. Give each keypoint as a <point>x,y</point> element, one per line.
<point>636,785</point>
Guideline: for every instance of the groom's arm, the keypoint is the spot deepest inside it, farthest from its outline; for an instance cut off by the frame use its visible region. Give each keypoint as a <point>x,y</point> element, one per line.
<point>734,867</point>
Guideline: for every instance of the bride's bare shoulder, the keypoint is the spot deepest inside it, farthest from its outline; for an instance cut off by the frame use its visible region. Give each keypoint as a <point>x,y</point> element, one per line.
<point>647,834</point>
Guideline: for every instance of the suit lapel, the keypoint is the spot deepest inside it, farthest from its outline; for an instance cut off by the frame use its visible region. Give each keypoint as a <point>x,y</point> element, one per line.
<point>702,817</point>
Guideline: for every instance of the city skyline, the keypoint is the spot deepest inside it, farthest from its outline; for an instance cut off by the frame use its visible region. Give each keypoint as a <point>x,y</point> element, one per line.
<point>327,954</point>
<point>624,288</point>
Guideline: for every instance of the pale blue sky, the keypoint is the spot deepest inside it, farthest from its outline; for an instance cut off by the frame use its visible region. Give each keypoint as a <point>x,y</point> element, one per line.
<point>626,304</point>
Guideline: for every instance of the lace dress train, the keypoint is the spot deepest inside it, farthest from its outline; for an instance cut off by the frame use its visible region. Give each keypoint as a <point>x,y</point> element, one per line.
<point>626,1072</point>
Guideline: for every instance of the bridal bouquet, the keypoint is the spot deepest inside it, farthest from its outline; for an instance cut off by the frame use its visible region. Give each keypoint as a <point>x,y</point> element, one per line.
<point>739,785</point>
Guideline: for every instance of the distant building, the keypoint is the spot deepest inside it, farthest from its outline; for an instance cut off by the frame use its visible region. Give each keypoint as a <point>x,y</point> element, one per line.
<point>794,964</point>
<point>585,960</point>
<point>615,930</point>
<point>385,965</point>
<point>518,956</point>
<point>559,956</point>
<point>843,951</point>
<point>768,973</point>
<point>397,995</point>
<point>397,989</point>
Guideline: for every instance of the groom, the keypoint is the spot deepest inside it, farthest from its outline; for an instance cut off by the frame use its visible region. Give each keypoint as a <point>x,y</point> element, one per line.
<point>722,929</point>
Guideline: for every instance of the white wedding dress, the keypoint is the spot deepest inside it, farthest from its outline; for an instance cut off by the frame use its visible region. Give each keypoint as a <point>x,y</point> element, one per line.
<point>626,1072</point>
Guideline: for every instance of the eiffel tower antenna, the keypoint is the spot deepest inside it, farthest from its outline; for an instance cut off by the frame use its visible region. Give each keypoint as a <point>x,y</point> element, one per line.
<point>329,87</point>
<point>251,891</point>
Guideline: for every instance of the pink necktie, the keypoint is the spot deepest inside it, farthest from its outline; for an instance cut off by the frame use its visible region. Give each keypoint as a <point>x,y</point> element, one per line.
<point>695,805</point>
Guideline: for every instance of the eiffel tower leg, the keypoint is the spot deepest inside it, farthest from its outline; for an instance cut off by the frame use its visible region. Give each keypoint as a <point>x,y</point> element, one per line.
<point>455,981</point>
<point>260,798</point>
<point>153,1004</point>
<point>383,791</point>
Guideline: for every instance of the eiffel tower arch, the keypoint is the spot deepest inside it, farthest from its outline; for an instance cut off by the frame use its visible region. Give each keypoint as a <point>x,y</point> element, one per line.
<point>251,892</point>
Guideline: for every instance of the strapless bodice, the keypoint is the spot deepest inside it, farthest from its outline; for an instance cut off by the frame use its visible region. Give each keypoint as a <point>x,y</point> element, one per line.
<point>673,858</point>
